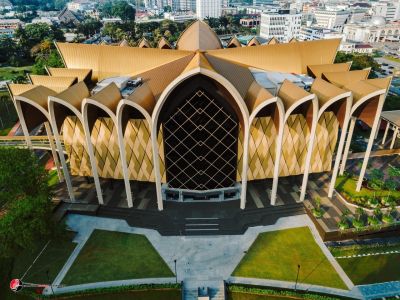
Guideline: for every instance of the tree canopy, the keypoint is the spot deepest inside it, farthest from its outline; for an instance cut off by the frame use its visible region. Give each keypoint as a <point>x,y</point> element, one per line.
<point>24,201</point>
<point>360,61</point>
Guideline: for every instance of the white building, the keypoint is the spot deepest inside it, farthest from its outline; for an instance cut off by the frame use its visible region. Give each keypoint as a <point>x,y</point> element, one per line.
<point>208,8</point>
<point>331,19</point>
<point>376,30</point>
<point>356,48</point>
<point>179,17</point>
<point>316,33</point>
<point>80,5</point>
<point>390,10</point>
<point>5,5</point>
<point>283,25</point>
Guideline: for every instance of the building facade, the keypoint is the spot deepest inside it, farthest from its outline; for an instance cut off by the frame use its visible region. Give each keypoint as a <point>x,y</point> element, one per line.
<point>283,25</point>
<point>373,31</point>
<point>200,121</point>
<point>331,19</point>
<point>208,8</point>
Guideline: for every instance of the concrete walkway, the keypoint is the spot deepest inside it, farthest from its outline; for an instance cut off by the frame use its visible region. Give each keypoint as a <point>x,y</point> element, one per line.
<point>199,258</point>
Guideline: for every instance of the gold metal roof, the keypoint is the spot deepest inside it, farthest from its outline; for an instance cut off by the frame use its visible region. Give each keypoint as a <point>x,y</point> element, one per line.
<point>108,96</point>
<point>234,43</point>
<point>293,40</point>
<point>239,75</point>
<point>198,36</point>
<point>198,61</point>
<point>344,78</point>
<point>325,91</point>
<point>317,70</point>
<point>361,89</point>
<point>56,83</point>
<point>253,42</point>
<point>164,44</point>
<point>144,43</point>
<point>290,58</point>
<point>75,94</point>
<point>81,74</point>
<point>273,41</point>
<point>256,95</point>
<point>160,77</point>
<point>383,83</point>
<point>108,61</point>
<point>143,96</point>
<point>124,43</point>
<point>291,94</point>
<point>16,89</point>
<point>38,95</point>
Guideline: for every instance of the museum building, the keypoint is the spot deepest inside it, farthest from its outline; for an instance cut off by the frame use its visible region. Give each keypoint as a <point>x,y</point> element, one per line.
<point>202,119</point>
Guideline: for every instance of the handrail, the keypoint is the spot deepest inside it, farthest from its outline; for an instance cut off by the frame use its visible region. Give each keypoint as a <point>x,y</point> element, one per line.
<point>38,142</point>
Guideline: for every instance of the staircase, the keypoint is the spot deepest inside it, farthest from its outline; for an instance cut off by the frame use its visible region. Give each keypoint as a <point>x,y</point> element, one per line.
<point>201,226</point>
<point>212,290</point>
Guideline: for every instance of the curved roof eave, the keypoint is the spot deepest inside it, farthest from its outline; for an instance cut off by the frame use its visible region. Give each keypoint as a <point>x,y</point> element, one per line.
<point>81,74</point>
<point>198,36</point>
<point>328,94</point>
<point>316,71</point>
<point>344,78</point>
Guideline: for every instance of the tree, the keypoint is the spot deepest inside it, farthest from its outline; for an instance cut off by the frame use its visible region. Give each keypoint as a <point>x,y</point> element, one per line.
<point>45,55</point>
<point>89,27</point>
<point>124,10</point>
<point>360,61</point>
<point>25,201</point>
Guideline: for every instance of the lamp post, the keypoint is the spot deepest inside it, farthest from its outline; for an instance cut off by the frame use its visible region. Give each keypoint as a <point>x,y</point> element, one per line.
<point>176,274</point>
<point>297,277</point>
<point>48,278</point>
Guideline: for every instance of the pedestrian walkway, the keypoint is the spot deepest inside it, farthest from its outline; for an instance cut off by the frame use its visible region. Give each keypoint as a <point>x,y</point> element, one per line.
<point>199,258</point>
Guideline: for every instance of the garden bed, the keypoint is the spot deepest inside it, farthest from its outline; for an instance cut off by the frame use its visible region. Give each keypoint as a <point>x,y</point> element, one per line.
<point>367,197</point>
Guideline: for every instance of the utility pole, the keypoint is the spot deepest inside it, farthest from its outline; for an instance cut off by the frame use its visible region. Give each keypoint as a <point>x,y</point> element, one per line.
<point>297,277</point>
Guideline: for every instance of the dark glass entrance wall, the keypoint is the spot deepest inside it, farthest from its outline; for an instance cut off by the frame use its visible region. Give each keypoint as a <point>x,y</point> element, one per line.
<point>200,130</point>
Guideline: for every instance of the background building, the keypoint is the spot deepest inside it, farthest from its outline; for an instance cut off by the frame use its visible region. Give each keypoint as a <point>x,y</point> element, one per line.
<point>331,19</point>
<point>283,25</point>
<point>208,8</point>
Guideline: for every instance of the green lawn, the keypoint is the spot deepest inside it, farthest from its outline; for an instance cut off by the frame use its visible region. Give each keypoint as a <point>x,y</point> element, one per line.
<point>8,73</point>
<point>52,259</point>
<point>392,59</point>
<point>275,255</point>
<point>346,184</point>
<point>372,269</point>
<point>249,296</point>
<point>109,255</point>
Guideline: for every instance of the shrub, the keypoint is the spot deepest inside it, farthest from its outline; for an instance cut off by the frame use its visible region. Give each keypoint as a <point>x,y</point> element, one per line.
<point>358,224</point>
<point>388,219</point>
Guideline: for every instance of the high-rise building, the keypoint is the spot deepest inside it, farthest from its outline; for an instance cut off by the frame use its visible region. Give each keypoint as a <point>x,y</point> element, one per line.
<point>283,25</point>
<point>331,19</point>
<point>208,8</point>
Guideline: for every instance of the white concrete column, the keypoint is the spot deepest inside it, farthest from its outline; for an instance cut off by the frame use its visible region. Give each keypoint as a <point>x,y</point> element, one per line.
<point>53,150</point>
<point>309,151</point>
<point>245,166</point>
<point>122,154</point>
<point>339,151</point>
<point>377,130</point>
<point>156,165</point>
<point>23,124</point>
<point>348,142</point>
<point>370,142</point>
<point>92,158</point>
<point>278,156</point>
<point>62,158</point>
<point>386,132</point>
<point>396,131</point>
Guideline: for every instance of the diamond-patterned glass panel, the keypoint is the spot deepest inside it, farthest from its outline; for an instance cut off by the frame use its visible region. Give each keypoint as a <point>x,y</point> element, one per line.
<point>200,140</point>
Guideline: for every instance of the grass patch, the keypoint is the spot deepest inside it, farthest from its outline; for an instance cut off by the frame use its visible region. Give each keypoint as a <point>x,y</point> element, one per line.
<point>372,269</point>
<point>9,73</point>
<point>347,184</point>
<point>275,255</point>
<point>53,178</point>
<point>392,58</point>
<point>250,296</point>
<point>52,259</point>
<point>109,256</point>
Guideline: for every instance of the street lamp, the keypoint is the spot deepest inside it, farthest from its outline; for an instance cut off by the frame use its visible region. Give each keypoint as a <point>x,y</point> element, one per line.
<point>297,277</point>
<point>176,274</point>
<point>48,278</point>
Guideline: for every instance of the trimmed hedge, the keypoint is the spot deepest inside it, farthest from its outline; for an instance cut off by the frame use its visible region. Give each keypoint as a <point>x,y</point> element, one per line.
<point>283,293</point>
<point>108,290</point>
